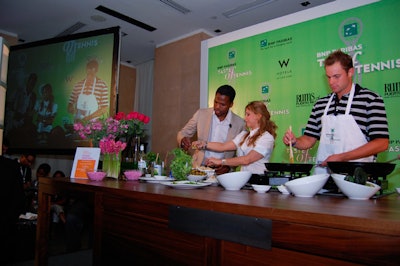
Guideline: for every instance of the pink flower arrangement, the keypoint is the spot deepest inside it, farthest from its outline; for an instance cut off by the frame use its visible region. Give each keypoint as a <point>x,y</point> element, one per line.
<point>111,146</point>
<point>109,132</point>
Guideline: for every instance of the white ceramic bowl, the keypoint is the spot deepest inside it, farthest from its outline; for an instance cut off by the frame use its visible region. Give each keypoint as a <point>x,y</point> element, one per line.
<point>353,190</point>
<point>160,177</point>
<point>234,180</point>
<point>307,186</point>
<point>261,188</point>
<point>283,189</point>
<point>196,178</point>
<point>209,171</point>
<point>96,176</point>
<point>133,174</point>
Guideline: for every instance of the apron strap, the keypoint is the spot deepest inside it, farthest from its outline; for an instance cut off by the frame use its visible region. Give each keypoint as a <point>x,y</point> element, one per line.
<point>349,102</point>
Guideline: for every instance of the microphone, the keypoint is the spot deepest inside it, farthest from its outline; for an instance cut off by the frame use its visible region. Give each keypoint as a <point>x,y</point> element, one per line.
<point>230,125</point>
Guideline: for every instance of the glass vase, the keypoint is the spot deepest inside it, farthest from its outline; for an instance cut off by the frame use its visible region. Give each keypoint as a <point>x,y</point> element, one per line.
<point>112,164</point>
<point>131,152</point>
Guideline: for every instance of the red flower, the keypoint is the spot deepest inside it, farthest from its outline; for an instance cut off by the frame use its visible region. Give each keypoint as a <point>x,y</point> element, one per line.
<point>119,116</point>
<point>132,116</point>
<point>146,119</point>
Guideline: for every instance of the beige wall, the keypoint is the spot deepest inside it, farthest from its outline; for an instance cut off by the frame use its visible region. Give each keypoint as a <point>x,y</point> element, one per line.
<point>126,88</point>
<point>176,89</point>
<point>11,40</point>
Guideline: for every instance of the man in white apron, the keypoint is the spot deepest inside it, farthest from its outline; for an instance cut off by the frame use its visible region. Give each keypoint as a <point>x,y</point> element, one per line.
<point>90,97</point>
<point>344,133</point>
<point>86,103</point>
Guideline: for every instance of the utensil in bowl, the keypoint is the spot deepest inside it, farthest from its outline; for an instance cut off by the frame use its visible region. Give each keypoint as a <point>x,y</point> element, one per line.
<point>234,180</point>
<point>307,186</point>
<point>291,157</point>
<point>354,190</point>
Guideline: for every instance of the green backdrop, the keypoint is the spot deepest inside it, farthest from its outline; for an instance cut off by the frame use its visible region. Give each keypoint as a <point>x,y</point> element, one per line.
<point>284,68</point>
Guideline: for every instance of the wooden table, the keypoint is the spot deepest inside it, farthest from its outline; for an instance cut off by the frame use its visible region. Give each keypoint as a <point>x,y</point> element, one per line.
<point>131,225</point>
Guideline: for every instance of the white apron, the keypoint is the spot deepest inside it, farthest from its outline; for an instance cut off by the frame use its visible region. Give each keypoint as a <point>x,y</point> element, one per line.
<point>339,134</point>
<point>86,103</point>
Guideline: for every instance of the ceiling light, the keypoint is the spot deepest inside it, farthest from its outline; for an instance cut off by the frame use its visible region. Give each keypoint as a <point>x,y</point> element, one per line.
<point>176,6</point>
<point>72,29</point>
<point>247,7</point>
<point>97,18</point>
<point>123,17</point>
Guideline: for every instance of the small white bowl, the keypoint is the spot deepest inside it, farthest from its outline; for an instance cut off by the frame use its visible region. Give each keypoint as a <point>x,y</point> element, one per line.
<point>283,189</point>
<point>261,188</point>
<point>160,177</point>
<point>209,171</point>
<point>398,190</point>
<point>196,178</point>
<point>354,190</point>
<point>307,186</point>
<point>234,180</point>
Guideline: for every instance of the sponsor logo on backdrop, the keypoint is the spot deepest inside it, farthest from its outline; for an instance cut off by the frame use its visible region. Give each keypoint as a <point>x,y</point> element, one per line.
<point>306,99</point>
<point>394,145</point>
<point>391,89</point>
<point>279,112</point>
<point>269,44</point>
<point>70,48</point>
<point>284,72</point>
<point>230,70</point>
<point>350,31</point>
<point>265,88</point>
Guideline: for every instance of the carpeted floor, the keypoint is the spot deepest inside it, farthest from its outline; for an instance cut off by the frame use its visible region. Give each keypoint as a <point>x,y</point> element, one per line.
<point>56,249</point>
<point>80,258</point>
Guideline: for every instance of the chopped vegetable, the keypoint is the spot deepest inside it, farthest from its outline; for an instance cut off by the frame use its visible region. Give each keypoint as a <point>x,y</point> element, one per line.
<point>359,177</point>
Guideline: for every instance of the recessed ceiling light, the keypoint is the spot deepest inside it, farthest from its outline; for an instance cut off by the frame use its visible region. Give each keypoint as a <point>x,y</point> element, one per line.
<point>247,7</point>
<point>176,6</point>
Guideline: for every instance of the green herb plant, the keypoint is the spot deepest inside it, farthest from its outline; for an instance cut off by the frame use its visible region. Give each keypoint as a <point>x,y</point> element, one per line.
<point>151,157</point>
<point>181,164</point>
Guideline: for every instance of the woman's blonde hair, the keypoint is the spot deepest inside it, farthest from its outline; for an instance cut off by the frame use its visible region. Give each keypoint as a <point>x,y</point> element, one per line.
<point>266,124</point>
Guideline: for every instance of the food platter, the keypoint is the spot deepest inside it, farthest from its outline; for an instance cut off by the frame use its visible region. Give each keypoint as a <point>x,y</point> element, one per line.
<point>156,180</point>
<point>185,184</point>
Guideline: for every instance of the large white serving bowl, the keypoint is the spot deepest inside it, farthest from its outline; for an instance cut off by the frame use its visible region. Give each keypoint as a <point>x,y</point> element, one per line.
<point>234,180</point>
<point>354,190</point>
<point>307,186</point>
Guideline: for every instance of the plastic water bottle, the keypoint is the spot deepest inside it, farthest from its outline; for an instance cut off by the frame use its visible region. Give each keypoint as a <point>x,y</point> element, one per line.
<point>142,162</point>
